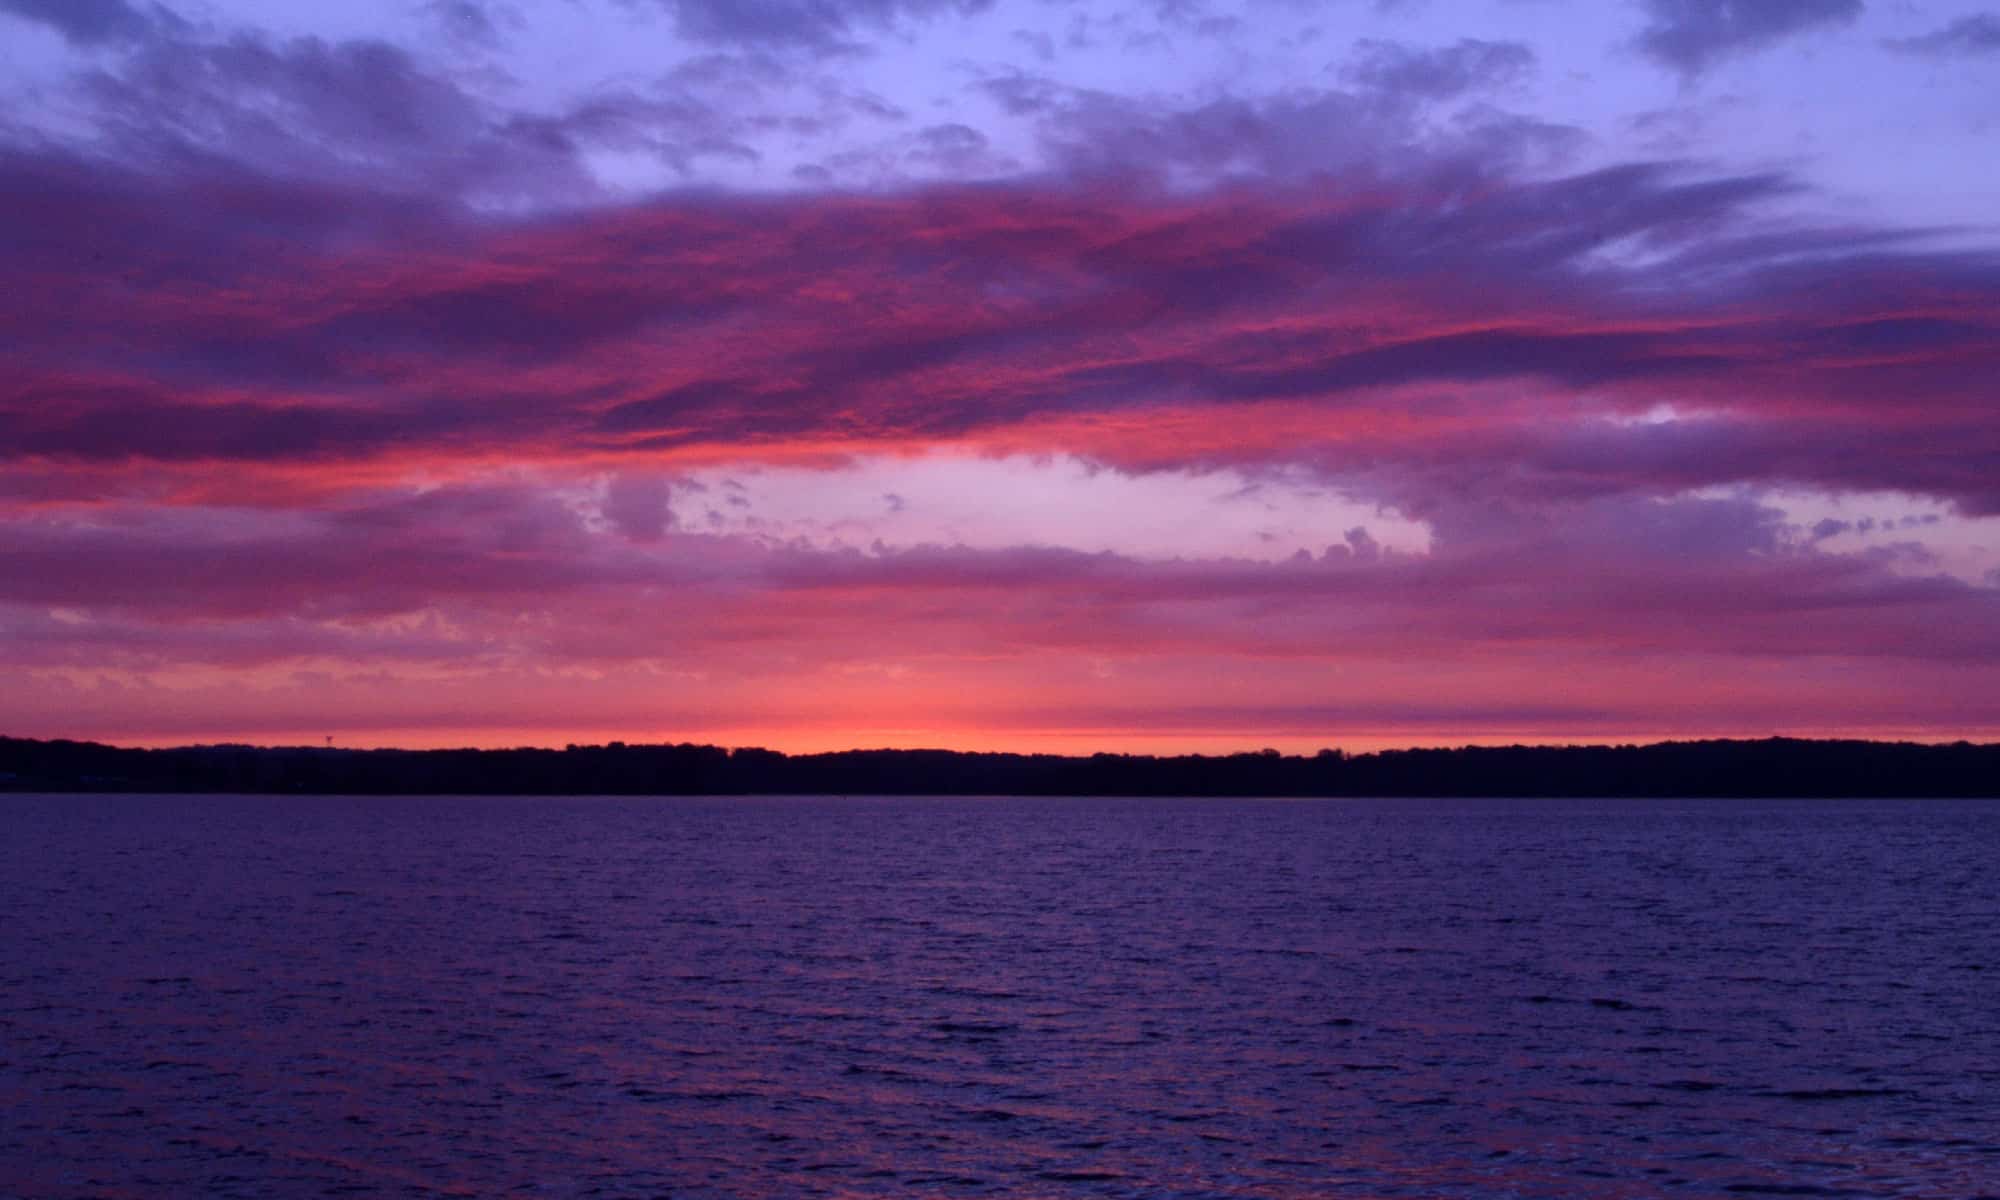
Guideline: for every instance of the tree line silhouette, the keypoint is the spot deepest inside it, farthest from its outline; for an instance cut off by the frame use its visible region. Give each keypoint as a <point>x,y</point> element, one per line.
<point>1763,768</point>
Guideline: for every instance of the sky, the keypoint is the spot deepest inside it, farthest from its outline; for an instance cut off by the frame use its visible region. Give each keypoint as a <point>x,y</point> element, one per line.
<point>1068,375</point>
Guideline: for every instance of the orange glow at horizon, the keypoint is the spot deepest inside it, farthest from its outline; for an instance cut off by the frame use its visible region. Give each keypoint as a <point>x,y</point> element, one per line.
<point>1066,742</point>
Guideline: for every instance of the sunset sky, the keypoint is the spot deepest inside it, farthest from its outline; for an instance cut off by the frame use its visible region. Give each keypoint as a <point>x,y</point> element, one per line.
<point>1037,374</point>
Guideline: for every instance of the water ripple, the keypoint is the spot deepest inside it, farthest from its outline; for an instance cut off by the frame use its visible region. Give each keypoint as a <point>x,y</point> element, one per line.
<point>238,996</point>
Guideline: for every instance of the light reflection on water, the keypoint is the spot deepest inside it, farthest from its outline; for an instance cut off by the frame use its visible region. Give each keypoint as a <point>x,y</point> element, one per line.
<point>239,996</point>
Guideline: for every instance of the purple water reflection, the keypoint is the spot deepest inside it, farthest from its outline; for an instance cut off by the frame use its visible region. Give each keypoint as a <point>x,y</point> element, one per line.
<point>237,996</point>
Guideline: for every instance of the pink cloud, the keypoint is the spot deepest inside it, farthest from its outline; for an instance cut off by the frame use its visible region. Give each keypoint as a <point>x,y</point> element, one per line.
<point>287,460</point>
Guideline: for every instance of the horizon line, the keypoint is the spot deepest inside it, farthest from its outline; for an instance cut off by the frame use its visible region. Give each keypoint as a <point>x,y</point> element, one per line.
<point>1260,751</point>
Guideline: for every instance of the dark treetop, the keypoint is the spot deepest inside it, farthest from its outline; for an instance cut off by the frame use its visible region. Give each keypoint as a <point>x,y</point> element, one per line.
<point>1771,767</point>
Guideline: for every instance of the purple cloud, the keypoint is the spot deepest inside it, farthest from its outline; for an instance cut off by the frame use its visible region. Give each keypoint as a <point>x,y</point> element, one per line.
<point>1444,73</point>
<point>97,22</point>
<point>482,23</point>
<point>815,24</point>
<point>636,505</point>
<point>1972,35</point>
<point>373,349</point>
<point>1692,35</point>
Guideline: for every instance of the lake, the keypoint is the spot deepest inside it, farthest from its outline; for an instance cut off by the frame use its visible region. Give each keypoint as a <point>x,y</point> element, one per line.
<point>319,996</point>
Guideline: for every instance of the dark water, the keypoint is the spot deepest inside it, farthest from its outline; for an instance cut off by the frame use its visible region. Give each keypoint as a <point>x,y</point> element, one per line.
<point>235,996</point>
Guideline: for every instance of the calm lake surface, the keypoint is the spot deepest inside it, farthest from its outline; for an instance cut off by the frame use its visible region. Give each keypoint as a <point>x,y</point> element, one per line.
<point>245,996</point>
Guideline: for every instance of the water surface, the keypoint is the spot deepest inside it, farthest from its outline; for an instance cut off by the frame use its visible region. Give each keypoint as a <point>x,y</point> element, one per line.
<point>246,996</point>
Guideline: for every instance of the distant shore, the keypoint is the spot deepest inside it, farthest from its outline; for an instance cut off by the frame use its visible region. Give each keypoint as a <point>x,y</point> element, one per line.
<point>1771,767</point>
